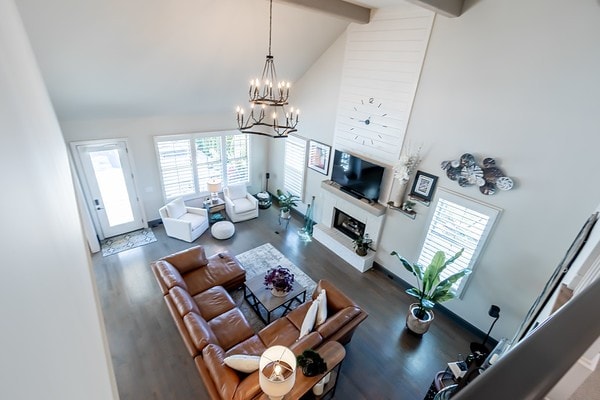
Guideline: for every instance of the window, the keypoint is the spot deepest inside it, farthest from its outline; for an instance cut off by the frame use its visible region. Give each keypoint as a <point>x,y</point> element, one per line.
<point>295,165</point>
<point>457,222</point>
<point>187,162</point>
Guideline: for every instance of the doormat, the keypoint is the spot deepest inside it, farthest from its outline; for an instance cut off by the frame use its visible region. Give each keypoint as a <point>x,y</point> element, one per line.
<point>257,261</point>
<point>127,241</point>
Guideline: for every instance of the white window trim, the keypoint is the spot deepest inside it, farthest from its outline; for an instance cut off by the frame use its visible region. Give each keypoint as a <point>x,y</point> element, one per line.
<point>191,137</point>
<point>491,211</point>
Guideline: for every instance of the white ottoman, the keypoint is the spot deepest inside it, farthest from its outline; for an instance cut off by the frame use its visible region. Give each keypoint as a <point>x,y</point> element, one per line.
<point>222,230</point>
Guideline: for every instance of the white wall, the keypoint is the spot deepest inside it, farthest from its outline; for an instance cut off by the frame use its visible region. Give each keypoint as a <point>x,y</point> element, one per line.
<point>316,94</point>
<point>516,81</point>
<point>53,343</point>
<point>140,133</point>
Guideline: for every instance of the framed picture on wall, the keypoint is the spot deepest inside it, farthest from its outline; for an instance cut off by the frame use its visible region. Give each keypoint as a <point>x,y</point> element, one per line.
<point>423,186</point>
<point>318,156</point>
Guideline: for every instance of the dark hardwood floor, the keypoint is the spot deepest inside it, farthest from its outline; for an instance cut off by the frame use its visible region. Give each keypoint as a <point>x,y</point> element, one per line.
<point>383,361</point>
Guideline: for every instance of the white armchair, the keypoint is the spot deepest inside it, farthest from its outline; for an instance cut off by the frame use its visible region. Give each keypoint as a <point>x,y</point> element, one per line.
<point>182,222</point>
<point>239,204</point>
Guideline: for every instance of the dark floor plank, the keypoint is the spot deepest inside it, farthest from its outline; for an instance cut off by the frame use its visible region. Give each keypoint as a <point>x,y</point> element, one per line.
<point>383,361</point>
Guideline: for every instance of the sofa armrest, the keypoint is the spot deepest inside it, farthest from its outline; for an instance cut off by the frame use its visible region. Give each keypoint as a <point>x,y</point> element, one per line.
<point>198,211</point>
<point>337,321</point>
<point>228,202</point>
<point>252,199</point>
<point>176,225</point>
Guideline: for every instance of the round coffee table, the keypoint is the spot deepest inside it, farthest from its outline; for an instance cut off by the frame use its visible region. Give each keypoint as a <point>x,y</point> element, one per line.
<point>222,230</point>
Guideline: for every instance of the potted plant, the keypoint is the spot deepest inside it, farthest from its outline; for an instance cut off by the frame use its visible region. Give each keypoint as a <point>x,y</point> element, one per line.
<point>361,244</point>
<point>408,205</point>
<point>280,280</point>
<point>311,362</point>
<point>286,202</point>
<point>429,290</point>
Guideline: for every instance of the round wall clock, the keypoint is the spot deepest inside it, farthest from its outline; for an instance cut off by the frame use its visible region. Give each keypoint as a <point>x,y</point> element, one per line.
<point>368,121</point>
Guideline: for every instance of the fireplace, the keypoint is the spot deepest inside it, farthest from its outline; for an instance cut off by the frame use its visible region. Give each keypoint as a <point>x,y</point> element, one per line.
<point>348,225</point>
<point>343,219</point>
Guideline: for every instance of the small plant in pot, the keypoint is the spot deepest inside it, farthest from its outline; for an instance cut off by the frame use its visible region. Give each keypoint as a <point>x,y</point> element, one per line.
<point>430,290</point>
<point>286,202</point>
<point>280,280</point>
<point>311,362</point>
<point>361,244</point>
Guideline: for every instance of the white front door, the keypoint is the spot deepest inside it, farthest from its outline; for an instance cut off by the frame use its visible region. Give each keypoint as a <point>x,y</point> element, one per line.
<point>109,186</point>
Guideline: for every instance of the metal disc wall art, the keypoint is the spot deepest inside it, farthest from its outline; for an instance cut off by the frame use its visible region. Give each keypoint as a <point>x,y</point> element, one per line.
<point>488,177</point>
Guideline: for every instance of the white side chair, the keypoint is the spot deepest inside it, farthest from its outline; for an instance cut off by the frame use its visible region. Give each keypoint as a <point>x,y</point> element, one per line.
<point>182,222</point>
<point>239,204</point>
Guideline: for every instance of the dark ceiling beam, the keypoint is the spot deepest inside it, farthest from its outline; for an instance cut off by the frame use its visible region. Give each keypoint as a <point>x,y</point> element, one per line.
<point>338,8</point>
<point>449,8</point>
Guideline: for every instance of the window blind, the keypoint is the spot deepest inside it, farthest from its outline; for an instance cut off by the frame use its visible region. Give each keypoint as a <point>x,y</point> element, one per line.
<point>175,162</point>
<point>237,158</point>
<point>208,160</point>
<point>295,165</point>
<point>187,162</point>
<point>457,223</point>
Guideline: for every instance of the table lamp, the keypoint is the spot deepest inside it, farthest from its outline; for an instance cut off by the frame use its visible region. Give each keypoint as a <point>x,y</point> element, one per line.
<point>214,187</point>
<point>277,372</point>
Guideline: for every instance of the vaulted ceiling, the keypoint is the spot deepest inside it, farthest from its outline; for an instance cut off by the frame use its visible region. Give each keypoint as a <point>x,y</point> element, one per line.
<point>132,58</point>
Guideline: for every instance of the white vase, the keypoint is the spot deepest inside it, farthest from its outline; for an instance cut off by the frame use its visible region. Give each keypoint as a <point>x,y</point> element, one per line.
<point>318,388</point>
<point>398,191</point>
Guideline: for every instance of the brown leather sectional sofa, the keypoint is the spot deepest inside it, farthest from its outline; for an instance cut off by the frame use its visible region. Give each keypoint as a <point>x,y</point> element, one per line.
<point>212,327</point>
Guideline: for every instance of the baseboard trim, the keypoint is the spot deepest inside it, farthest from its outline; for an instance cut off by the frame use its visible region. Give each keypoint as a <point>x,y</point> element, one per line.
<point>439,308</point>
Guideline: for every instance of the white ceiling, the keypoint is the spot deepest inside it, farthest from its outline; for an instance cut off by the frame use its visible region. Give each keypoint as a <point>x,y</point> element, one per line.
<point>128,58</point>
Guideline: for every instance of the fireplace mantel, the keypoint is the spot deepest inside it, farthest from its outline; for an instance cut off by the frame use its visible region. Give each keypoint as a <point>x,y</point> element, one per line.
<point>371,215</point>
<point>372,208</point>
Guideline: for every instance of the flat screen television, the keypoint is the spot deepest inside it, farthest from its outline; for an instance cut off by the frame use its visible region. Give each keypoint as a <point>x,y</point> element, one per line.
<point>358,177</point>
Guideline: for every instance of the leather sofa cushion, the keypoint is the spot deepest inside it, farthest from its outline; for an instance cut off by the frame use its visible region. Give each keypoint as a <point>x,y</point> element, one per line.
<point>337,321</point>
<point>220,271</point>
<point>212,302</point>
<point>188,260</point>
<point>199,330</point>
<point>225,379</point>
<point>297,315</point>
<point>231,328</point>
<point>169,275</point>
<point>336,300</point>
<point>252,346</point>
<point>281,331</point>
<point>183,301</point>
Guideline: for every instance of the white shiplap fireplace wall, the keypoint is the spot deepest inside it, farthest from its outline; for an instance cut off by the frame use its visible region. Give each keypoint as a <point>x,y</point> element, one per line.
<point>372,215</point>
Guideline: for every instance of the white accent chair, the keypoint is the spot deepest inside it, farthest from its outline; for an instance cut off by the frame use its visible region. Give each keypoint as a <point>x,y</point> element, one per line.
<point>183,222</point>
<point>239,204</point>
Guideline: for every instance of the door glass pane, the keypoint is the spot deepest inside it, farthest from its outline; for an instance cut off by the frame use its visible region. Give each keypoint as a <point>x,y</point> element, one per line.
<point>111,182</point>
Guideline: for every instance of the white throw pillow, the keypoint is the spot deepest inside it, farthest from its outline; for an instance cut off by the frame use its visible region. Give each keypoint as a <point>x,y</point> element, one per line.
<point>176,208</point>
<point>242,362</point>
<point>322,311</point>
<point>309,319</point>
<point>237,191</point>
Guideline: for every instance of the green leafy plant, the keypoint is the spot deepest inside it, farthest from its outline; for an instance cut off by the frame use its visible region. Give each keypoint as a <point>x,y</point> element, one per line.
<point>361,243</point>
<point>287,201</point>
<point>430,290</point>
<point>311,362</point>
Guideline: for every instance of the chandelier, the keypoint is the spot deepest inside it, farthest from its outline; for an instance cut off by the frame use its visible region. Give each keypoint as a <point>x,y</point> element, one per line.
<point>268,98</point>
